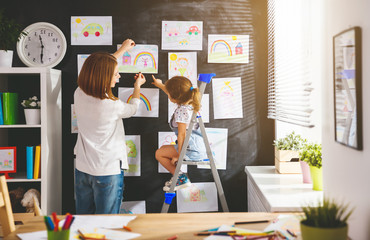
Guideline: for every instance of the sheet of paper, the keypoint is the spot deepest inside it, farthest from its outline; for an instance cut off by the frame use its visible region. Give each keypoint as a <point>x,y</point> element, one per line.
<point>109,234</point>
<point>182,35</point>
<point>93,221</point>
<point>284,222</point>
<point>91,30</point>
<point>168,138</point>
<point>133,155</point>
<point>204,110</point>
<point>228,48</point>
<point>230,228</point>
<point>80,61</point>
<point>149,106</point>
<point>183,64</point>
<point>200,197</point>
<point>227,98</point>
<point>74,127</point>
<point>141,58</point>
<point>91,224</point>
<point>217,138</point>
<point>133,207</point>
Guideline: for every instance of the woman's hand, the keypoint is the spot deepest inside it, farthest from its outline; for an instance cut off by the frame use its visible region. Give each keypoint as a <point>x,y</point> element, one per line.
<point>157,82</point>
<point>128,44</point>
<point>140,80</point>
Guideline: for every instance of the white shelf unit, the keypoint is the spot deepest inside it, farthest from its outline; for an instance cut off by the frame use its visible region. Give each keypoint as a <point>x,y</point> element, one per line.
<point>49,131</point>
<point>270,191</point>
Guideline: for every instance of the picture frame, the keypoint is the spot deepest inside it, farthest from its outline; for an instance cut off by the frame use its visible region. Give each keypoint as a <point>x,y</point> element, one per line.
<point>347,72</point>
<point>8,160</point>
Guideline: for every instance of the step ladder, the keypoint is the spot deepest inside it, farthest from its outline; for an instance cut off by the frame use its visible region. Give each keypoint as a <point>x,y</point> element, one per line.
<point>203,78</point>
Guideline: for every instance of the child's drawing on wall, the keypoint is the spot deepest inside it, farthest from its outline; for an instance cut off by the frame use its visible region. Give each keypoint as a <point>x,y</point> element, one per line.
<point>149,106</point>
<point>133,155</point>
<point>91,30</point>
<point>227,99</point>
<point>228,48</point>
<point>183,64</point>
<point>200,197</point>
<point>182,35</point>
<point>141,58</point>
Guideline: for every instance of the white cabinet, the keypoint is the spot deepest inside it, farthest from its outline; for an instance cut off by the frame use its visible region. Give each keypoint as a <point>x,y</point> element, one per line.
<point>270,191</point>
<point>46,84</point>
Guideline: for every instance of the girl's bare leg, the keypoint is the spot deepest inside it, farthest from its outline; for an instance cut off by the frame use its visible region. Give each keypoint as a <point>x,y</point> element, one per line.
<point>164,155</point>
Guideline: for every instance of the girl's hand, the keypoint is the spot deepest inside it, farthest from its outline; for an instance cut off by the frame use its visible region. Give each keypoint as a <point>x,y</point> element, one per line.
<point>128,44</point>
<point>157,82</point>
<point>140,80</point>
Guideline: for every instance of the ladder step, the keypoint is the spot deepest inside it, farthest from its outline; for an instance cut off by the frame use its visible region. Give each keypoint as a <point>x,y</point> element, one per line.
<point>196,162</point>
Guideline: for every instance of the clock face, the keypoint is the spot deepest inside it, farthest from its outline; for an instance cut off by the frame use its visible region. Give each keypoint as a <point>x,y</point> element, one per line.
<point>44,45</point>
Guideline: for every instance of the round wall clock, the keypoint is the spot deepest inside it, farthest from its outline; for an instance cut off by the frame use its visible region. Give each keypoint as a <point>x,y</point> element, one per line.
<point>44,46</point>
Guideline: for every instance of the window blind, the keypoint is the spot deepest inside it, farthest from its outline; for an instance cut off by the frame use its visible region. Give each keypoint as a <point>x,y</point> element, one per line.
<point>289,76</point>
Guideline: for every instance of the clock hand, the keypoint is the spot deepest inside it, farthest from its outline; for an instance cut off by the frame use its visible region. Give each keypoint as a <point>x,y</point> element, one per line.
<point>42,50</point>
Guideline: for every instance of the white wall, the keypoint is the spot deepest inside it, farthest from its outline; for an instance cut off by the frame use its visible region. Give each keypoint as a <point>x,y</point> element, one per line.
<point>346,171</point>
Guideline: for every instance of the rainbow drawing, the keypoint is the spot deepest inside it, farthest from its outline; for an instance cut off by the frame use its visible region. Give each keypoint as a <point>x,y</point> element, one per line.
<point>142,54</point>
<point>223,43</point>
<point>144,99</point>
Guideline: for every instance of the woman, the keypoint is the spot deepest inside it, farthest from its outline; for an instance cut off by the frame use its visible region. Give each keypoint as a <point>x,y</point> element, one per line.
<point>101,149</point>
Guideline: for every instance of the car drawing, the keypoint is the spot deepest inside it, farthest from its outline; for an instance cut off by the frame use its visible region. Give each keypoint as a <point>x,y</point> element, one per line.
<point>184,42</point>
<point>92,28</point>
<point>173,32</point>
<point>193,29</point>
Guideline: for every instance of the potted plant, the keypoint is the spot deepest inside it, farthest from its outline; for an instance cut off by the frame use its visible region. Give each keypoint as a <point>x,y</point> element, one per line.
<point>10,33</point>
<point>311,154</point>
<point>32,110</point>
<point>286,153</point>
<point>327,220</point>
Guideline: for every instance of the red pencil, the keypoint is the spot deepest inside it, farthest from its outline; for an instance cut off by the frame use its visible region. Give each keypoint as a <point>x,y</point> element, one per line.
<point>67,221</point>
<point>56,221</point>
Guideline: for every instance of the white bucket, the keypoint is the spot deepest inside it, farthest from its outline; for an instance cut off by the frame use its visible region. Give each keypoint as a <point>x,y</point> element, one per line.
<point>6,58</point>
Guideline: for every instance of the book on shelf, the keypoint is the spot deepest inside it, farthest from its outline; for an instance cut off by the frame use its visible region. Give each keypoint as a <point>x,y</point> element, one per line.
<point>10,108</point>
<point>36,171</point>
<point>1,110</point>
<point>29,162</point>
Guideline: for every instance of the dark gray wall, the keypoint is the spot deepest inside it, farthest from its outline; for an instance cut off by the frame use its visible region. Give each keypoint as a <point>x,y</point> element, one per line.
<point>250,139</point>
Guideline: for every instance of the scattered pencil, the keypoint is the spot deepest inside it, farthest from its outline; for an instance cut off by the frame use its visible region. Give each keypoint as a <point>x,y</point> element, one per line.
<point>291,233</point>
<point>127,228</point>
<point>172,238</point>
<point>214,233</point>
<point>251,222</point>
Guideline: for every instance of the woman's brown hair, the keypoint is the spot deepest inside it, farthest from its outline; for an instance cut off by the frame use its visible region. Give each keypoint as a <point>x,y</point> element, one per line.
<point>182,91</point>
<point>96,75</point>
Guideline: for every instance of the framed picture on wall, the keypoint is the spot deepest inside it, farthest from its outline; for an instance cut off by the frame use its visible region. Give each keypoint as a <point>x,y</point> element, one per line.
<point>347,87</point>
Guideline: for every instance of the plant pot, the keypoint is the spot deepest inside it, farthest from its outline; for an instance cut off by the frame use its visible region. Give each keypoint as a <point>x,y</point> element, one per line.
<point>316,176</point>
<point>309,233</point>
<point>33,116</point>
<point>306,174</point>
<point>286,155</point>
<point>6,58</point>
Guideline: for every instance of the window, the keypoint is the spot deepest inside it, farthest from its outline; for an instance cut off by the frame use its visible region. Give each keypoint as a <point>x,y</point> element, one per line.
<point>289,62</point>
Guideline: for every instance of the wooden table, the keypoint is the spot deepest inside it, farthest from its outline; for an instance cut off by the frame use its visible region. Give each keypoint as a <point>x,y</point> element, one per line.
<point>163,226</point>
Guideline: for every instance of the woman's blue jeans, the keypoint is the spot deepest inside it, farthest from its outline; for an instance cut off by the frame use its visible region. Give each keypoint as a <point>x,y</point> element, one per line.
<point>98,194</point>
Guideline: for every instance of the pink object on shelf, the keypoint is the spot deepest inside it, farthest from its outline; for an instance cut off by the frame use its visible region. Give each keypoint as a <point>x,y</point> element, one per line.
<point>306,174</point>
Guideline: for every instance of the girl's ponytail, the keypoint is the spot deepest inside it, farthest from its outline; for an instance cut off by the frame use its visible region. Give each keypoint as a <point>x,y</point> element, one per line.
<point>195,102</point>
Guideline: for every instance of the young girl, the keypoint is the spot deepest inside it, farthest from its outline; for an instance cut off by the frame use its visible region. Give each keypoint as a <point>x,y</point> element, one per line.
<point>180,91</point>
<point>100,148</point>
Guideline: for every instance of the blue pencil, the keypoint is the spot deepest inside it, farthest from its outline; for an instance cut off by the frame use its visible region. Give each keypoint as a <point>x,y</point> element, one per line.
<point>49,223</point>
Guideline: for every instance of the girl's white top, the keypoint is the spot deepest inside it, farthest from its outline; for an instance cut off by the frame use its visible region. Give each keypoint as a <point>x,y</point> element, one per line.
<point>101,141</point>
